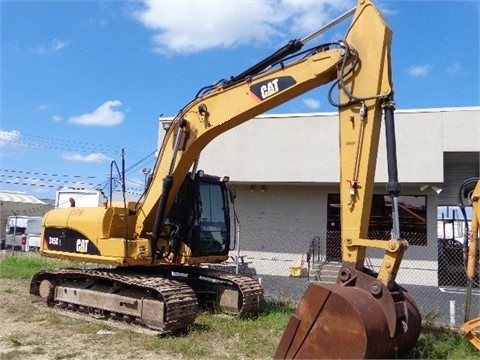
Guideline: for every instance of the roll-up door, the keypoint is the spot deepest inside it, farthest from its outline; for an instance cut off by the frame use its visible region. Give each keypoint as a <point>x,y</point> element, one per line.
<point>458,167</point>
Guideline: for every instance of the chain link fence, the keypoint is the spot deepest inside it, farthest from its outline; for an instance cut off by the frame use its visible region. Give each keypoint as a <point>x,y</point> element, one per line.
<point>286,260</point>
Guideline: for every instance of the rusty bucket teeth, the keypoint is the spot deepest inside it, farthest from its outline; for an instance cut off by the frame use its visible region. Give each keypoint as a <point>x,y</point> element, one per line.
<point>351,322</point>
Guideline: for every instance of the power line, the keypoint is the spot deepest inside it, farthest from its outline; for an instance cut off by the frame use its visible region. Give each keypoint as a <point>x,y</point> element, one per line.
<point>57,180</point>
<point>149,159</point>
<point>56,185</point>
<point>36,141</point>
<point>30,211</point>
<point>32,179</point>
<point>55,144</point>
<point>19,138</point>
<point>46,174</point>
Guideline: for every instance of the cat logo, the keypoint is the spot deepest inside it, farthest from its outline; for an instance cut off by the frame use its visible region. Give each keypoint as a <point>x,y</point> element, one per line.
<point>265,89</point>
<point>269,88</point>
<point>82,245</point>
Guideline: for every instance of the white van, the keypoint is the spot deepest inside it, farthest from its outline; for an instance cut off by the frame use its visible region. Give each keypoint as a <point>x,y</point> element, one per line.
<point>23,232</point>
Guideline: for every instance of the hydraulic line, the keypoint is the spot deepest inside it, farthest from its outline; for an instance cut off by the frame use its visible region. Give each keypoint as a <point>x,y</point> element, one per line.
<point>393,186</point>
<point>167,186</point>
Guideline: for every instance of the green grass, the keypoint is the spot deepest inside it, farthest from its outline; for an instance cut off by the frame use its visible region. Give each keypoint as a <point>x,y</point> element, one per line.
<point>213,336</point>
<point>441,343</point>
<point>239,338</point>
<point>24,266</point>
<point>258,338</point>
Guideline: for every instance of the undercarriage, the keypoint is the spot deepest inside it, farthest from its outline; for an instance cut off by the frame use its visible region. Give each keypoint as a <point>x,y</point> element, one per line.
<point>162,298</point>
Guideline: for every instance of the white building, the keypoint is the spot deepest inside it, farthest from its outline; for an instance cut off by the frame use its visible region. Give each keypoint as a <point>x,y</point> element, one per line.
<point>285,167</point>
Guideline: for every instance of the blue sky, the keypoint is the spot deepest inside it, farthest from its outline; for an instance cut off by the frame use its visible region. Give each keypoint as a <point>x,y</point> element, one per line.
<point>80,80</point>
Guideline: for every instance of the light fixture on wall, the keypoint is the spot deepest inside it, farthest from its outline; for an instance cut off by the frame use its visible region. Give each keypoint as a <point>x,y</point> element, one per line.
<point>252,188</point>
<point>424,187</point>
<point>433,187</point>
<point>263,188</point>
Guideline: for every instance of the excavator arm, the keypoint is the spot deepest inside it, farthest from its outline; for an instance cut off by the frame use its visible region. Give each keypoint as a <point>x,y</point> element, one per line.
<point>221,109</point>
<point>369,312</point>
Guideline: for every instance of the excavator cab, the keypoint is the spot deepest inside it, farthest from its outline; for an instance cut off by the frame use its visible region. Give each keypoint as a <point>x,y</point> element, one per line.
<point>200,215</point>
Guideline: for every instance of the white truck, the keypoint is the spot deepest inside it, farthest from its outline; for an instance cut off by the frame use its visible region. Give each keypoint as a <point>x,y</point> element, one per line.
<point>23,232</point>
<point>69,197</point>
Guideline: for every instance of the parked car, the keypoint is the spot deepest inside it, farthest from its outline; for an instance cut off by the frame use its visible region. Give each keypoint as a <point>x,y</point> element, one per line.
<point>23,232</point>
<point>451,264</point>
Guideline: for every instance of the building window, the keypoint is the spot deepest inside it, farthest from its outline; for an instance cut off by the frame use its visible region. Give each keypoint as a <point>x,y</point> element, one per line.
<point>412,217</point>
<point>451,222</point>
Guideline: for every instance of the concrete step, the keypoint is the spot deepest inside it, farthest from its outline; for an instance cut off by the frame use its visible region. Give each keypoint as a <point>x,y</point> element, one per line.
<point>325,273</point>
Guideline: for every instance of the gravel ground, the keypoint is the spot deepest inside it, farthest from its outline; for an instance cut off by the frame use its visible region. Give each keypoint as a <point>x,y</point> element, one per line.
<point>31,330</point>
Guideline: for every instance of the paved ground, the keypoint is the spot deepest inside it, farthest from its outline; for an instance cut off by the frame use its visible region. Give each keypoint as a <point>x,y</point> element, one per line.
<point>444,305</point>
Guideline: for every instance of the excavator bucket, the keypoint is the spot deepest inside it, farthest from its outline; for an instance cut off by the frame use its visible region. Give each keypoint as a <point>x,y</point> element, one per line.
<point>356,319</point>
<point>469,330</point>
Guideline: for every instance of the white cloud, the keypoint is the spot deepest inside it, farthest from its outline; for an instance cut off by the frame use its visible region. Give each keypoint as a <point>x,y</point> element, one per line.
<point>456,69</point>
<point>59,45</point>
<point>105,115</point>
<point>97,158</point>
<point>57,118</point>
<point>419,70</point>
<point>43,107</point>
<point>192,26</point>
<point>312,103</point>
<point>55,46</point>
<point>9,137</point>
<point>387,9</point>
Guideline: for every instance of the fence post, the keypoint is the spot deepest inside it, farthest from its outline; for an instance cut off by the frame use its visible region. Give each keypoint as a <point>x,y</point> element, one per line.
<point>452,313</point>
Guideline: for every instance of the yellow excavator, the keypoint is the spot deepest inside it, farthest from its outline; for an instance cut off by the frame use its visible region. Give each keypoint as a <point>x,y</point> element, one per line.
<point>154,249</point>
<point>471,328</point>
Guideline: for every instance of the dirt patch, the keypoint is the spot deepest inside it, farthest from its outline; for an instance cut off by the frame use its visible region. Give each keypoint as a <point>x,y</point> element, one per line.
<point>31,330</point>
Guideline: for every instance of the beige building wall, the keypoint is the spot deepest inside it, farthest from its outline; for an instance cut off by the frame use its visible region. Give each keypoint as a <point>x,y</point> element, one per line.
<point>296,158</point>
